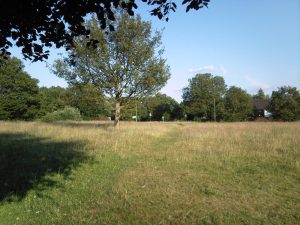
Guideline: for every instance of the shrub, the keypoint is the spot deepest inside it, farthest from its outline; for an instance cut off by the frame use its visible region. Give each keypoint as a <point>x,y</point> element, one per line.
<point>68,113</point>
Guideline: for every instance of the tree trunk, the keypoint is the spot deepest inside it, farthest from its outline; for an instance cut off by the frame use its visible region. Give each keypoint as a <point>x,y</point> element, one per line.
<point>117,114</point>
<point>215,118</point>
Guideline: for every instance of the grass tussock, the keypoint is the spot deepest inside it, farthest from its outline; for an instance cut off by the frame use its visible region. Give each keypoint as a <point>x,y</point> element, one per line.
<point>149,173</point>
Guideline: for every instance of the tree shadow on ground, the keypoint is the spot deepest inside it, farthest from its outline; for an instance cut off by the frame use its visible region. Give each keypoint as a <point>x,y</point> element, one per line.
<point>25,162</point>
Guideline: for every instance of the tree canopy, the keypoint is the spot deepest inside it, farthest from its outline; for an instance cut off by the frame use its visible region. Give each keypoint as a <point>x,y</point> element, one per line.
<point>91,103</point>
<point>18,92</point>
<point>238,105</point>
<point>203,97</point>
<point>125,64</point>
<point>164,106</point>
<point>52,99</point>
<point>260,95</point>
<point>285,104</point>
<point>37,24</point>
<point>155,108</point>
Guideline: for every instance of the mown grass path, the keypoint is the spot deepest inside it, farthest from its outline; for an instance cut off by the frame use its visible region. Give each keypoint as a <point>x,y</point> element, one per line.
<point>150,173</point>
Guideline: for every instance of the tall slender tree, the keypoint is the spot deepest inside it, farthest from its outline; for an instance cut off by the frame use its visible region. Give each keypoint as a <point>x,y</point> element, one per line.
<point>124,64</point>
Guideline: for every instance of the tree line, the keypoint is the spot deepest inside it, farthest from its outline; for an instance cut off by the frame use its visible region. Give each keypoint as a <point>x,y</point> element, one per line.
<point>206,98</point>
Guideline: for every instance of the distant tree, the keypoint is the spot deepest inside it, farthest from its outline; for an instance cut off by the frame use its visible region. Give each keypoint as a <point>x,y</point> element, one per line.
<point>37,24</point>
<point>52,99</point>
<point>18,92</point>
<point>91,103</point>
<point>260,95</point>
<point>135,107</point>
<point>158,106</point>
<point>162,105</point>
<point>285,104</point>
<point>238,105</point>
<point>126,64</point>
<point>203,97</point>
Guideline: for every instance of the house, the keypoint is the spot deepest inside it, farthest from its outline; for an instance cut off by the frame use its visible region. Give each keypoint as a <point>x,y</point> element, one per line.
<point>260,107</point>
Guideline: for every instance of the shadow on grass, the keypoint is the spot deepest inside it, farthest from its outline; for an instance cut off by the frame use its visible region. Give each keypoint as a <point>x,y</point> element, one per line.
<point>25,162</point>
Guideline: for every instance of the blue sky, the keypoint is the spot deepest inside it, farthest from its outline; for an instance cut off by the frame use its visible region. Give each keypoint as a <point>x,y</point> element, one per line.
<point>252,44</point>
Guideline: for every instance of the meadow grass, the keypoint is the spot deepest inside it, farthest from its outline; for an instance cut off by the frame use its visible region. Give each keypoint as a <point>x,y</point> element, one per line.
<point>149,173</point>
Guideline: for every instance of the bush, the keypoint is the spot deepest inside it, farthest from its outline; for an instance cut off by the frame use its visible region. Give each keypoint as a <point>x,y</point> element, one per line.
<point>68,113</point>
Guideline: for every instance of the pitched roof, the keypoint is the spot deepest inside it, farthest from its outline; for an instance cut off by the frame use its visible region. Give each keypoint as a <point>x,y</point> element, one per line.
<point>261,103</point>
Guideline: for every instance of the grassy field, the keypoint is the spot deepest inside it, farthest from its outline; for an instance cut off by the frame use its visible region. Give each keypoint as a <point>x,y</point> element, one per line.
<point>149,173</point>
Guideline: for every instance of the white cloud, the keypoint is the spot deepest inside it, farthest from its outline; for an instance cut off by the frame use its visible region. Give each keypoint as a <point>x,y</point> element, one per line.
<point>257,84</point>
<point>204,69</point>
<point>216,70</point>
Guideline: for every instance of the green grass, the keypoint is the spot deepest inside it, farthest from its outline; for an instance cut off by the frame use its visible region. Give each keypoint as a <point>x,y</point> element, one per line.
<point>149,173</point>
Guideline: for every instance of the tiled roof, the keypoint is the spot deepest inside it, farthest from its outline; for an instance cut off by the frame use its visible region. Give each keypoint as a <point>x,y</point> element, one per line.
<point>261,103</point>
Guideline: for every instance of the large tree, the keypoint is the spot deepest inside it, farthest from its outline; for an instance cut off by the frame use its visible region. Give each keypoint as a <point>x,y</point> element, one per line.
<point>285,104</point>
<point>238,105</point>
<point>18,92</point>
<point>37,24</point>
<point>125,64</point>
<point>203,97</point>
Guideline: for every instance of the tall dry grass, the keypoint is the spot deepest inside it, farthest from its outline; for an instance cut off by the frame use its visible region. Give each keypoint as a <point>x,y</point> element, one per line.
<point>170,173</point>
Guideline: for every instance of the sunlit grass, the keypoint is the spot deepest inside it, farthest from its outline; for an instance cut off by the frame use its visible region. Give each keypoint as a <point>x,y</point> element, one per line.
<point>151,173</point>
